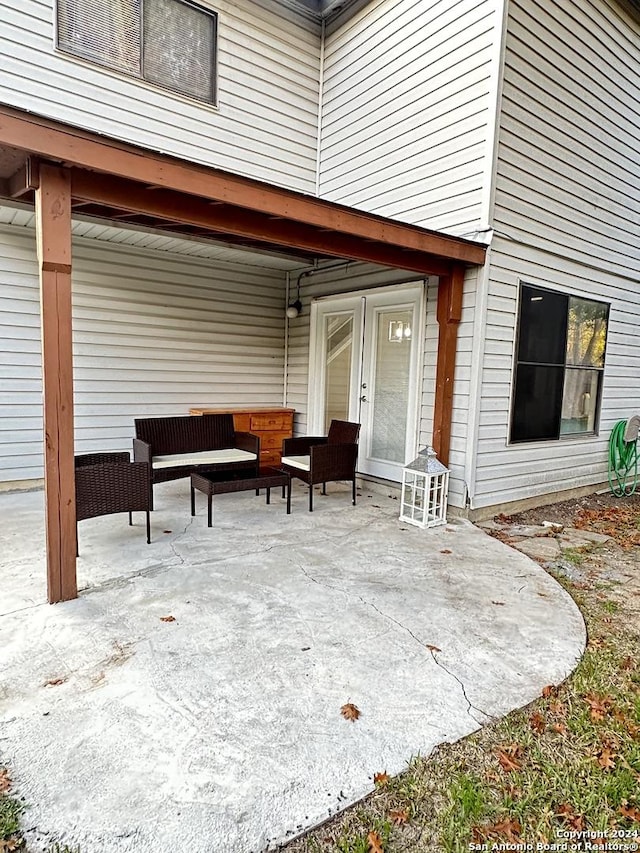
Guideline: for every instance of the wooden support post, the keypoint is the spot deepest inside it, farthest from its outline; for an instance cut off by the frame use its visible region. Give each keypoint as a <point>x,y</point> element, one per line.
<point>53,224</point>
<point>448,312</point>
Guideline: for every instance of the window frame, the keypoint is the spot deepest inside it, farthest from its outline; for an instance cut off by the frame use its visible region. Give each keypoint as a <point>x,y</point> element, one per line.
<point>565,366</point>
<point>165,87</point>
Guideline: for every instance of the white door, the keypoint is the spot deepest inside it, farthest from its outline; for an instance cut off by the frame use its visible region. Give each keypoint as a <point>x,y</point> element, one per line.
<point>365,367</point>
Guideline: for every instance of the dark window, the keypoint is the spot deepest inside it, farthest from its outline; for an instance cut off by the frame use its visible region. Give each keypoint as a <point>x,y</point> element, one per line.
<point>168,42</point>
<point>559,365</point>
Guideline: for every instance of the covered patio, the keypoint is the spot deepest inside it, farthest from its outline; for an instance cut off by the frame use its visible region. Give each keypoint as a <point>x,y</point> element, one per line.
<point>190,698</point>
<point>65,172</point>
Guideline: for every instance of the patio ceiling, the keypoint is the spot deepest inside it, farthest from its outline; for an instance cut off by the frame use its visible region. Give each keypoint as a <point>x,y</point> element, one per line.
<point>120,182</point>
<point>157,239</point>
<point>65,171</point>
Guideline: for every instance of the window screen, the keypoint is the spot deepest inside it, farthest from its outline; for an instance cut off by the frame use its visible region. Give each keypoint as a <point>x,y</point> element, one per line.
<point>559,365</point>
<point>168,42</point>
<point>178,47</point>
<point>106,31</point>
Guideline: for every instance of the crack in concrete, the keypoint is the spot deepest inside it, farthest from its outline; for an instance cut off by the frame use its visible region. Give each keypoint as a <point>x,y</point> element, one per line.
<point>487,717</point>
<point>176,538</point>
<point>470,705</point>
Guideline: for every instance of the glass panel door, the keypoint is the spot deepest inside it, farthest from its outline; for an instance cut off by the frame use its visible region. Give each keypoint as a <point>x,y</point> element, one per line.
<point>365,364</point>
<point>391,385</point>
<point>390,370</point>
<point>338,360</point>
<point>335,362</point>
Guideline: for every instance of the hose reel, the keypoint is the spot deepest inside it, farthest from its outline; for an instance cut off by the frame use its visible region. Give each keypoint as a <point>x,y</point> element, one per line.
<point>623,457</point>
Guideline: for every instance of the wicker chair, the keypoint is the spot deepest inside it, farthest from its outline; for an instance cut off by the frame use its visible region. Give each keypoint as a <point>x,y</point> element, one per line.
<point>107,483</point>
<point>323,459</point>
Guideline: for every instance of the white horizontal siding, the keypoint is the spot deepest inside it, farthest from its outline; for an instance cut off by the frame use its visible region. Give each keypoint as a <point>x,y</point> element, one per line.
<point>407,109</point>
<point>506,472</point>
<point>569,154</point>
<point>567,216</point>
<point>265,126</point>
<point>20,359</point>
<point>153,334</point>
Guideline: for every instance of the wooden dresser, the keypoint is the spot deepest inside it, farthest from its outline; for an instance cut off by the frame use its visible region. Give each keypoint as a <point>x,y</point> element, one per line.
<point>271,424</point>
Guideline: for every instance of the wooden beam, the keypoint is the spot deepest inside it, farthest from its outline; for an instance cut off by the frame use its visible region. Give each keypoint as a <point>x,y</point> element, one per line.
<point>177,207</point>
<point>25,179</point>
<point>449,311</point>
<point>53,232</point>
<point>60,142</point>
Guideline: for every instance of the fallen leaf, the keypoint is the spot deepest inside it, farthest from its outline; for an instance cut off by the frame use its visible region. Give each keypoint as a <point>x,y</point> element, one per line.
<point>627,663</point>
<point>167,531</point>
<point>597,642</point>
<point>375,843</point>
<point>549,690</point>
<point>11,844</point>
<point>5,781</point>
<point>630,812</point>
<point>598,705</point>
<point>536,721</point>
<point>558,707</point>
<point>445,551</point>
<point>499,603</point>
<point>567,814</point>
<point>605,759</point>
<point>433,648</point>
<point>399,816</point>
<point>633,729</point>
<point>381,778</point>
<point>560,728</point>
<point>167,618</point>
<point>509,757</point>
<point>508,829</point>
<point>54,682</point>
<point>350,712</point>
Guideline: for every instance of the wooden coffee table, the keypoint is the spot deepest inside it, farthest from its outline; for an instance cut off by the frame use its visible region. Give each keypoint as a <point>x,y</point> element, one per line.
<point>223,482</point>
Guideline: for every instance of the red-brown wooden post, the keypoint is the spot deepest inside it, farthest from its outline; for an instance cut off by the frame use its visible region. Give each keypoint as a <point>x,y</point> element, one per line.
<point>53,224</point>
<point>449,311</point>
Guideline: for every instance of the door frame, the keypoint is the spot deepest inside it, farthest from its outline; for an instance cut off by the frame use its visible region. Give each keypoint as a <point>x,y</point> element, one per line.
<point>315,394</point>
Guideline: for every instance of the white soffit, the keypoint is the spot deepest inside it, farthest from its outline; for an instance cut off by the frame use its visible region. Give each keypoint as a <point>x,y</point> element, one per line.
<point>148,238</point>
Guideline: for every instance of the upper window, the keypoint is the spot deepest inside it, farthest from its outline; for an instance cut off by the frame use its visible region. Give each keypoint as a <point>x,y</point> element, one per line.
<point>168,42</point>
<point>559,365</point>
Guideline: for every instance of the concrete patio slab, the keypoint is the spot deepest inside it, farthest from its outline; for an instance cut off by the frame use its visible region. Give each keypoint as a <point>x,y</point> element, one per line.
<point>221,731</point>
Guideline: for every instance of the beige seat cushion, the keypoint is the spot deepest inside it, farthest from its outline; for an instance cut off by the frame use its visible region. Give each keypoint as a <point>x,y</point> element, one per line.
<point>204,457</point>
<point>301,462</point>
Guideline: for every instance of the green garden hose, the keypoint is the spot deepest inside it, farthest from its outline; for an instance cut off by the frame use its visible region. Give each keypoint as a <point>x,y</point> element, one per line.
<point>623,462</point>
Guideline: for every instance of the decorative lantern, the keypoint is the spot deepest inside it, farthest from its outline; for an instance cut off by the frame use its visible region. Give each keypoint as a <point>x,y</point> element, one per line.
<point>425,483</point>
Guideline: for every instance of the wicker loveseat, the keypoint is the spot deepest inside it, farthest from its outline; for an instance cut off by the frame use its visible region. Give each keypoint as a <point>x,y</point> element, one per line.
<point>174,447</point>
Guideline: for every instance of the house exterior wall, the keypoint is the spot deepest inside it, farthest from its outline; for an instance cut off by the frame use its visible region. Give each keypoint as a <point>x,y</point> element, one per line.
<point>567,217</point>
<point>265,124</point>
<point>153,334</point>
<point>408,111</point>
